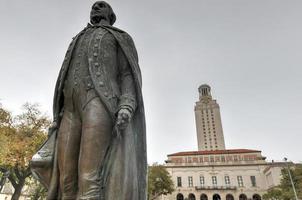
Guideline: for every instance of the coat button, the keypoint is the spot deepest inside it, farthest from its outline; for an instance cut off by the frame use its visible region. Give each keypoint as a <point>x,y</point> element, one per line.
<point>96,64</point>
<point>96,45</point>
<point>95,54</point>
<point>101,83</point>
<point>98,73</point>
<point>106,94</point>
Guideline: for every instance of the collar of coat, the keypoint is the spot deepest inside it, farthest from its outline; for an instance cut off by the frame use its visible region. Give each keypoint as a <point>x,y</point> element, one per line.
<point>89,25</point>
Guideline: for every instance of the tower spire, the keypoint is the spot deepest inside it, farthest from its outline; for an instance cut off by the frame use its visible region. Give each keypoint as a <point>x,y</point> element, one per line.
<point>205,92</point>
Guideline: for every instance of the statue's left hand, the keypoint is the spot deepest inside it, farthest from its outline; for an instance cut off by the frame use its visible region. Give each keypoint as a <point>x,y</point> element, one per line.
<point>123,118</point>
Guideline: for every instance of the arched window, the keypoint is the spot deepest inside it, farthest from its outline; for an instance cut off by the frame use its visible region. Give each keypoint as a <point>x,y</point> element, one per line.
<point>180,197</point>
<point>216,197</point>
<point>256,197</point>
<point>203,197</point>
<point>242,197</point>
<point>192,196</point>
<point>229,197</point>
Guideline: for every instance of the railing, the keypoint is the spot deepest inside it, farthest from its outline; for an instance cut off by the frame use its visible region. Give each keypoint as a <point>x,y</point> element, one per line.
<point>215,187</point>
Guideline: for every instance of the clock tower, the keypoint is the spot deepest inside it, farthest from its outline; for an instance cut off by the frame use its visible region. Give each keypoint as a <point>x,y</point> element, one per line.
<point>208,121</point>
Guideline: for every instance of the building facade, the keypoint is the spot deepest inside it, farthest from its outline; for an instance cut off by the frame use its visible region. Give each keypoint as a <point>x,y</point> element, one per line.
<point>214,172</point>
<point>232,174</point>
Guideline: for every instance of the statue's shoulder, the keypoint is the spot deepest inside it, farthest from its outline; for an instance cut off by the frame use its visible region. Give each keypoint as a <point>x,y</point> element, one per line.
<point>125,41</point>
<point>121,34</point>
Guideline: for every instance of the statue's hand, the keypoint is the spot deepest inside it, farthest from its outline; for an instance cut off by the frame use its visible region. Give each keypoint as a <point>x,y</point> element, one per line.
<point>123,118</point>
<point>52,127</point>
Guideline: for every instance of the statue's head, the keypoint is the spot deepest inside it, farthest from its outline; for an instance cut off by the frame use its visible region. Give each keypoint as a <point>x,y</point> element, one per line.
<point>102,11</point>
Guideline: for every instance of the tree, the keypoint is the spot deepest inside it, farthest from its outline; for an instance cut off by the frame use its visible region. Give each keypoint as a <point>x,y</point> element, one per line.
<point>273,194</point>
<point>284,191</point>
<point>21,136</point>
<point>39,191</point>
<point>159,181</point>
<point>3,176</point>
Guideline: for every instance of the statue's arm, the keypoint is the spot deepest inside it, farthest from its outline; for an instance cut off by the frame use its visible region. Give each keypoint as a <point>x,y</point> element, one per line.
<point>127,99</point>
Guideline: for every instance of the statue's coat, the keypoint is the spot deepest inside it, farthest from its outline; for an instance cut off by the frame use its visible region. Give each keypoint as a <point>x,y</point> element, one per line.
<point>124,172</point>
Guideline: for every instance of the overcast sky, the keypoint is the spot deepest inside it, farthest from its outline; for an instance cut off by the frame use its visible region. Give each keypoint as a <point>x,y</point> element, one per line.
<point>249,52</point>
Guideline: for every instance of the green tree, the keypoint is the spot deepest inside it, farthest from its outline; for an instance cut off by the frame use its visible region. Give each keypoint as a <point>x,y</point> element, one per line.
<point>285,191</point>
<point>273,194</point>
<point>39,191</point>
<point>21,136</point>
<point>159,181</point>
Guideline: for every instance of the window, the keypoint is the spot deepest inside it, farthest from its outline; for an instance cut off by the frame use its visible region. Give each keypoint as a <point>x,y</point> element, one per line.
<point>240,181</point>
<point>178,181</point>
<point>227,180</point>
<point>201,179</point>
<point>222,159</point>
<point>190,179</point>
<point>214,180</point>
<point>211,159</point>
<point>253,181</point>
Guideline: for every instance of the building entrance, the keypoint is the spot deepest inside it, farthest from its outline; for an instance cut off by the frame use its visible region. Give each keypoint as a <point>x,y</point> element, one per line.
<point>229,197</point>
<point>216,197</point>
<point>203,197</point>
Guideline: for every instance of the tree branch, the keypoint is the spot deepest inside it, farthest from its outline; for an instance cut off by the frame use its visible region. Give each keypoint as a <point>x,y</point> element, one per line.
<point>17,172</point>
<point>12,180</point>
<point>27,172</point>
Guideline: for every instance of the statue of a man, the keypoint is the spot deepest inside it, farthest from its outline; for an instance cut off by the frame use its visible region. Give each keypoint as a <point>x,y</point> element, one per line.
<point>96,147</point>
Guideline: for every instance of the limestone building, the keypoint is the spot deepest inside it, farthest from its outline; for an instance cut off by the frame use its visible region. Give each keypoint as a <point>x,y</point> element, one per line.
<point>208,121</point>
<point>214,172</point>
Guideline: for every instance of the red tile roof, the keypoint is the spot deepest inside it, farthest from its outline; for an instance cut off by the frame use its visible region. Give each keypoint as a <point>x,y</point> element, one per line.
<point>227,151</point>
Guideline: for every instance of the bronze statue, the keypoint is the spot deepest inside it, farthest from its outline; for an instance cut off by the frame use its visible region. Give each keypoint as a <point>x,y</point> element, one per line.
<point>96,147</point>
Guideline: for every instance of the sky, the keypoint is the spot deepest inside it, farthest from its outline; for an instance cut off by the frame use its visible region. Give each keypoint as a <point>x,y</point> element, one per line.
<point>249,52</point>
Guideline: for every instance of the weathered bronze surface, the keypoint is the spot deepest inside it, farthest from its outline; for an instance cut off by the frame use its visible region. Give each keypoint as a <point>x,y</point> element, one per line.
<point>96,147</point>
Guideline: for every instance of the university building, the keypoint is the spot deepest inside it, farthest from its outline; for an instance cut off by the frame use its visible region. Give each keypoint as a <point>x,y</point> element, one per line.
<point>214,172</point>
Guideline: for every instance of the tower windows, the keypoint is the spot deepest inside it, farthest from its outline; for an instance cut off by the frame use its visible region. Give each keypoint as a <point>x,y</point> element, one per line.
<point>240,181</point>
<point>201,179</point>
<point>214,180</point>
<point>179,182</point>
<point>253,181</point>
<point>227,180</point>
<point>190,181</point>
